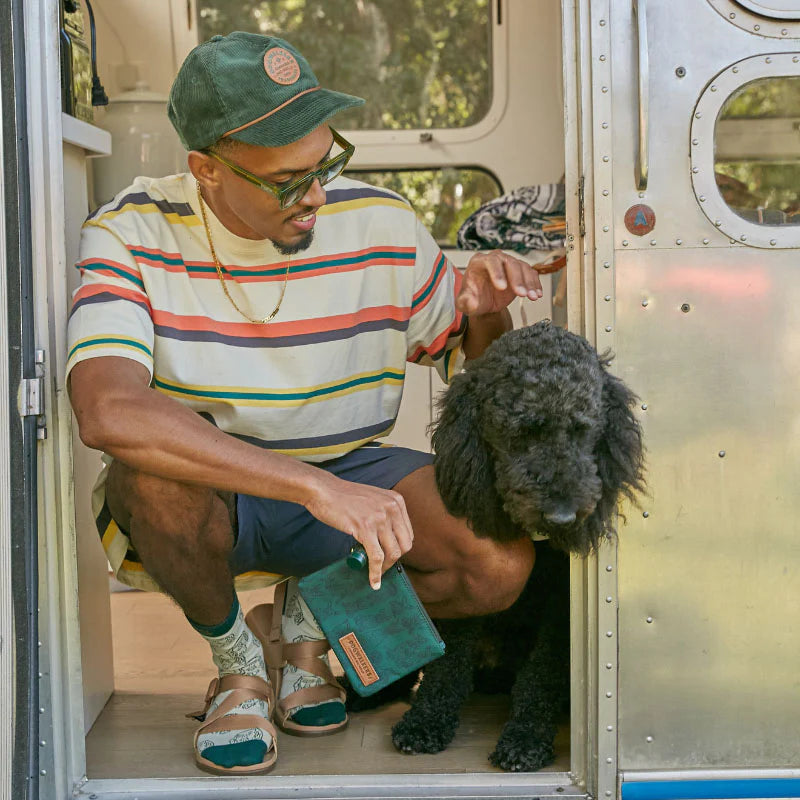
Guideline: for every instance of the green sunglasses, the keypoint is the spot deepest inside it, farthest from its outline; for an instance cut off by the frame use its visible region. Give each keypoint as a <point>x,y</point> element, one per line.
<point>291,193</point>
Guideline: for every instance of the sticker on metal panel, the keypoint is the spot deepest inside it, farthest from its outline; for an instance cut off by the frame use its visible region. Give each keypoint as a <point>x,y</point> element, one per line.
<point>358,658</point>
<point>281,66</point>
<point>640,219</point>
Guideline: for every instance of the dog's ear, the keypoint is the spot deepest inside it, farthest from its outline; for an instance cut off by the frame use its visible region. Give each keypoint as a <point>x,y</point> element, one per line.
<point>620,451</point>
<point>462,461</point>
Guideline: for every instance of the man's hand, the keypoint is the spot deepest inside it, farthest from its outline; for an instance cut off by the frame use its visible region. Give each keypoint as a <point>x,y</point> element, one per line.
<point>493,280</point>
<point>377,518</point>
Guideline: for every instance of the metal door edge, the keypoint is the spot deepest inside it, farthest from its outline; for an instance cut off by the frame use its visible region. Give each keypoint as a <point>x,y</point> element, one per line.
<point>475,786</point>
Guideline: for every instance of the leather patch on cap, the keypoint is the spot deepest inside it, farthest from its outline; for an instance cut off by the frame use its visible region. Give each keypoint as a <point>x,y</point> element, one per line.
<point>358,658</point>
<point>281,66</point>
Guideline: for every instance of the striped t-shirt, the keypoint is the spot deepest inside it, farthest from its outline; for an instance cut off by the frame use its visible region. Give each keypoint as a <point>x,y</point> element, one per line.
<point>326,375</point>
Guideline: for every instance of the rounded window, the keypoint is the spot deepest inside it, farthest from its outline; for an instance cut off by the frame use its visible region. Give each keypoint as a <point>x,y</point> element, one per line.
<point>778,9</point>
<point>777,19</point>
<point>746,151</point>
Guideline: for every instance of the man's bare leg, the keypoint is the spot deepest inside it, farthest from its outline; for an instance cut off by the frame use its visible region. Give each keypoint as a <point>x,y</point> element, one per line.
<point>455,573</point>
<point>184,536</point>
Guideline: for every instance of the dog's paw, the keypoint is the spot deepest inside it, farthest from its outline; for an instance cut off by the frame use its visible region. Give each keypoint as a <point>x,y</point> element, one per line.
<point>520,750</point>
<point>420,732</point>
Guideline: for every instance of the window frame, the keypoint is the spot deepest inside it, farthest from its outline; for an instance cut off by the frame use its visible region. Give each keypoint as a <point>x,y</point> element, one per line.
<point>433,138</point>
<point>703,150</point>
<point>742,14</point>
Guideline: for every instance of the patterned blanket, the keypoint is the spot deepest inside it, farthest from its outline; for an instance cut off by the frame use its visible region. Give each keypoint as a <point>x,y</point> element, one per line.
<point>515,221</point>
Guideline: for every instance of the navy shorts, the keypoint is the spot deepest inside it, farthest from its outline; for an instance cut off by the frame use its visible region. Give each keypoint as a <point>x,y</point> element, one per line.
<point>278,536</point>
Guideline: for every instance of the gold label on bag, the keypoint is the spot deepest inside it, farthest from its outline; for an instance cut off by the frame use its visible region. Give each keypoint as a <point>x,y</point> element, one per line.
<point>358,658</point>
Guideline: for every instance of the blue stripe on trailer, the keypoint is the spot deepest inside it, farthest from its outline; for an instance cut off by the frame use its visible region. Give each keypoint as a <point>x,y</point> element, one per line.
<point>712,789</point>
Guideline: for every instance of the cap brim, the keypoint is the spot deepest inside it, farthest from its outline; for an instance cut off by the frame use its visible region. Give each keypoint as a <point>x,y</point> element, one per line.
<point>296,119</point>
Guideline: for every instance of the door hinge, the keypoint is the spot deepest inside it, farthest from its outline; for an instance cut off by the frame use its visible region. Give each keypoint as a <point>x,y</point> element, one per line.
<point>31,396</point>
<point>581,209</point>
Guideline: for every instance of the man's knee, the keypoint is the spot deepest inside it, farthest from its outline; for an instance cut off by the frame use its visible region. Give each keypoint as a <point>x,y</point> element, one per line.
<point>142,502</point>
<point>493,583</point>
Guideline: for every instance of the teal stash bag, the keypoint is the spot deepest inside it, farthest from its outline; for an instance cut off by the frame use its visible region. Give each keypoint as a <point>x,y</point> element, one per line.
<point>378,636</point>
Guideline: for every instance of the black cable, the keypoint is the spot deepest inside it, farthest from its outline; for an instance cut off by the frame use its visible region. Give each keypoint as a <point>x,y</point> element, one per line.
<point>99,96</point>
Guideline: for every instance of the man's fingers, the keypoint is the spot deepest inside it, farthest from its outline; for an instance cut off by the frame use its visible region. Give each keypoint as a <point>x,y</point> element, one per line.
<point>523,278</point>
<point>375,558</point>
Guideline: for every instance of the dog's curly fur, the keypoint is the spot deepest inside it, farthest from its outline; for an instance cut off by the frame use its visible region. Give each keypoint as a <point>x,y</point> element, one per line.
<point>535,436</point>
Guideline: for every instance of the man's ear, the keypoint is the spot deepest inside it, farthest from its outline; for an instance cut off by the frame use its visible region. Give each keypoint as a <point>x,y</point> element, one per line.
<point>205,168</point>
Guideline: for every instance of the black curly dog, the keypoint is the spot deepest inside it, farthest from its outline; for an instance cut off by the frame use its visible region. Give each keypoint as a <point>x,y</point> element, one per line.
<point>535,436</point>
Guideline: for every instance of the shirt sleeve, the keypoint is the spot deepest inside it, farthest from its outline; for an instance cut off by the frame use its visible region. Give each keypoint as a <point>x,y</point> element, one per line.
<point>436,330</point>
<point>111,313</point>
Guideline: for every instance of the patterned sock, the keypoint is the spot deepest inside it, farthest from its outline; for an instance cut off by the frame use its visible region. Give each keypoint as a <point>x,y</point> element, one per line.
<point>299,625</point>
<point>236,651</point>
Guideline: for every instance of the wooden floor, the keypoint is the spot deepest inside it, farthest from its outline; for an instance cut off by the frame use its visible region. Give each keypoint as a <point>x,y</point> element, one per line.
<point>162,669</point>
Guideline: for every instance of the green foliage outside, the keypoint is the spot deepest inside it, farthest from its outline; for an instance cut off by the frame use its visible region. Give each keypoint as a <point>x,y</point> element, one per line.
<point>442,198</point>
<point>417,63</point>
<point>764,184</point>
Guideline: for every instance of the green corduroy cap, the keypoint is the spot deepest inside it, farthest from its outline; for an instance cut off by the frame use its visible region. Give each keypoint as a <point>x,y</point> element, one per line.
<point>252,88</point>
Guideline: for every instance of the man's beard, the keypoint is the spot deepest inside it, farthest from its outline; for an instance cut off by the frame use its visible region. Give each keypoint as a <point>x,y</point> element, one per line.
<point>298,247</point>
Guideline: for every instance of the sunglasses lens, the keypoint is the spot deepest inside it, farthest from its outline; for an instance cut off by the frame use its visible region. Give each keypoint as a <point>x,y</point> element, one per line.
<point>297,193</point>
<point>334,170</point>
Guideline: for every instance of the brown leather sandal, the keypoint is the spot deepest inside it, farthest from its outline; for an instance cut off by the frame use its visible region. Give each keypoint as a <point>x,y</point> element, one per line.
<point>242,688</point>
<point>265,622</point>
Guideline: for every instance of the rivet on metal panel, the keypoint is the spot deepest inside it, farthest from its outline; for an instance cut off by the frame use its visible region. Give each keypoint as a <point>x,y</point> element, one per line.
<point>686,308</point>
<point>679,241</point>
<point>784,31</point>
<point>733,241</point>
<point>608,792</point>
<point>609,568</point>
<point>609,665</point>
<point>756,27</point>
<point>645,303</point>
<point>649,738</point>
<point>609,760</point>
<point>718,222</point>
<point>624,242</point>
<point>604,89</point>
<point>43,772</point>
<point>705,241</point>
<point>559,789</point>
<point>713,88</point>
<point>768,60</point>
<point>609,599</point>
<point>605,192</point>
<point>645,514</point>
<point>609,727</point>
<point>773,242</point>
<point>609,695</point>
<point>604,125</point>
<point>641,195</point>
<point>732,16</point>
<point>605,228</point>
<point>602,23</point>
<point>649,620</point>
<point>652,242</point>
<point>680,72</point>
<point>609,634</point>
<point>722,454</point>
<point>743,238</point>
<point>602,58</point>
<point>41,710</point>
<point>735,70</point>
<point>43,743</point>
<point>605,159</point>
<point>796,59</point>
<point>644,406</point>
<point>608,329</point>
<point>695,142</point>
<point>698,115</point>
<point>606,264</point>
<point>607,298</point>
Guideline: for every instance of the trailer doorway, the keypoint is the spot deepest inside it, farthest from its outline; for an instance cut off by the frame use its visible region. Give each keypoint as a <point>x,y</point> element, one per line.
<point>139,668</point>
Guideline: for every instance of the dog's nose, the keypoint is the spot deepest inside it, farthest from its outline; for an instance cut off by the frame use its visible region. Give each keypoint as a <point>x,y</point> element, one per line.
<point>561,516</point>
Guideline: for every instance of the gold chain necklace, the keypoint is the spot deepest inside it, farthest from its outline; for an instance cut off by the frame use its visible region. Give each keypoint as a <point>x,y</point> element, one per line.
<point>275,310</point>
